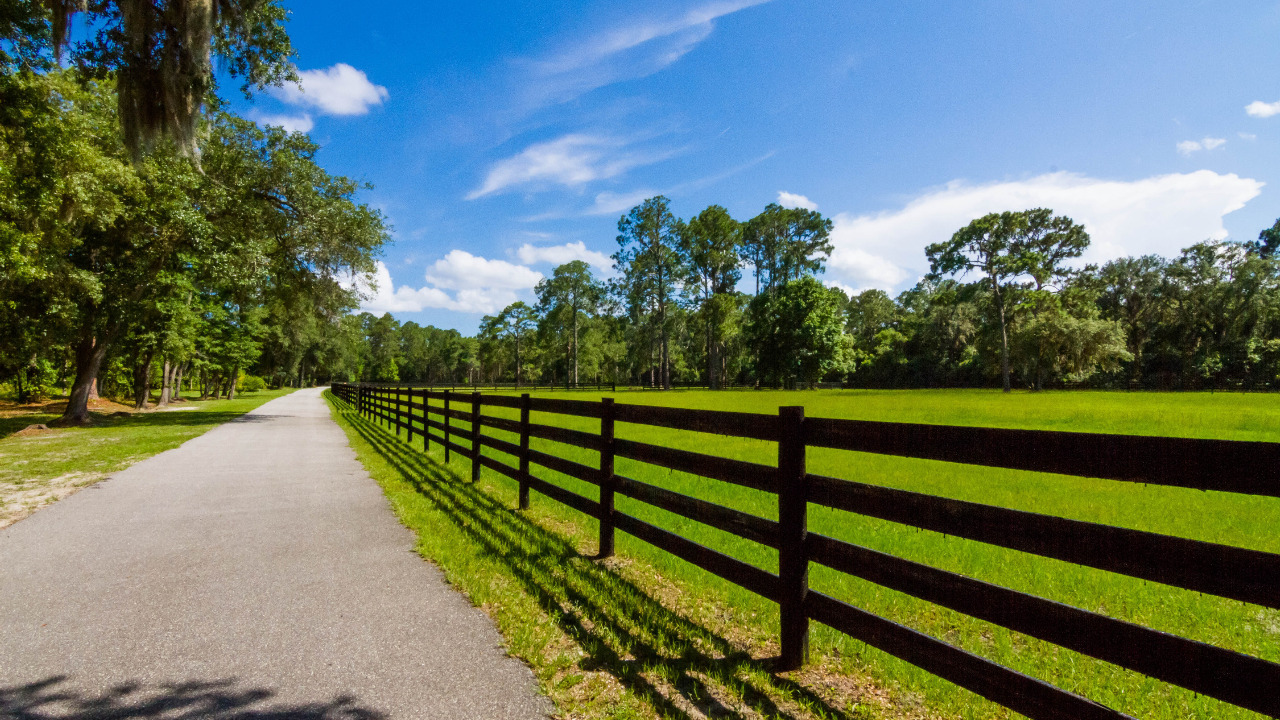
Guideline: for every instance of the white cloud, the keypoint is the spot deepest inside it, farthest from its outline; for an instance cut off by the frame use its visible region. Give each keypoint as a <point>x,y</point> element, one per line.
<point>561,254</point>
<point>1247,136</point>
<point>1260,109</point>
<point>791,200</point>
<point>290,123</point>
<point>571,160</point>
<point>624,53</point>
<point>1160,214</point>
<point>339,90</point>
<point>460,270</point>
<point>1187,147</point>
<point>480,286</point>
<point>1209,143</point>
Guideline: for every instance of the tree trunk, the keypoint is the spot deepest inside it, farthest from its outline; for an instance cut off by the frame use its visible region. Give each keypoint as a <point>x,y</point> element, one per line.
<point>231,384</point>
<point>89,354</point>
<point>166,382</point>
<point>93,389</point>
<point>142,382</point>
<point>575,347</point>
<point>713,377</point>
<point>1004,341</point>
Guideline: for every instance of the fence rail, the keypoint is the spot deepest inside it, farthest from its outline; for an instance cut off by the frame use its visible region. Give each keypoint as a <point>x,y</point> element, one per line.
<point>1239,467</point>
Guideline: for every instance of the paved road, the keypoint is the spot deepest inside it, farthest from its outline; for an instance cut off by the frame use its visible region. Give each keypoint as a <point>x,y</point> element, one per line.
<point>255,572</point>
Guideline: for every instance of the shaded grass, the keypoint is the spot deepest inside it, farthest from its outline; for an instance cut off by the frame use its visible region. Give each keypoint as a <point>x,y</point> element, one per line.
<point>600,636</point>
<point>40,468</point>
<point>1210,516</point>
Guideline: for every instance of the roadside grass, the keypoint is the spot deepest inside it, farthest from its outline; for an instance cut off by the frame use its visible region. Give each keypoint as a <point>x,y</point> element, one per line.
<point>1210,516</point>
<point>606,639</point>
<point>39,468</point>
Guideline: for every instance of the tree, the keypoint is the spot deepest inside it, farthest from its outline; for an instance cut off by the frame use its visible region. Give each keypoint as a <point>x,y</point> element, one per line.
<point>710,243</point>
<point>566,298</point>
<point>383,334</point>
<point>1134,292</point>
<point>265,223</point>
<point>785,244</point>
<point>514,323</point>
<point>650,263</point>
<point>1268,242</point>
<point>161,54</point>
<point>1006,247</point>
<point>797,332</point>
<point>1066,335</point>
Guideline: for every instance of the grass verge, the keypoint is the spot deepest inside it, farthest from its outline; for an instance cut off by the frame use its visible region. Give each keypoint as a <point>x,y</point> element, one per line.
<point>41,467</point>
<point>606,639</point>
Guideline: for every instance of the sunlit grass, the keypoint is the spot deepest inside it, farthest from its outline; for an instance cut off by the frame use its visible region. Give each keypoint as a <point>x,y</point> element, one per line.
<point>1210,516</point>
<point>38,468</point>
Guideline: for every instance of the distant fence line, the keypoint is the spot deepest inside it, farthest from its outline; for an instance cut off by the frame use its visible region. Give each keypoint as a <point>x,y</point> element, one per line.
<point>1251,576</point>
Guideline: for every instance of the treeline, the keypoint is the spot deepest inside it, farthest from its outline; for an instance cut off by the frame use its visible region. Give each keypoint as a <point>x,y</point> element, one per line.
<point>1002,306</point>
<point>149,239</point>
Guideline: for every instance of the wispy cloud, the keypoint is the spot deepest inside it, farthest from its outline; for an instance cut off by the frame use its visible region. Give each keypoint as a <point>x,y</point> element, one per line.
<point>570,161</point>
<point>339,90</point>
<point>624,53</point>
<point>1260,109</point>
<point>1188,147</point>
<point>609,203</point>
<point>1160,214</point>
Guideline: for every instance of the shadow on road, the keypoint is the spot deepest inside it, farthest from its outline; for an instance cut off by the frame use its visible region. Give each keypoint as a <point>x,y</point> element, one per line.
<point>678,667</point>
<point>55,699</point>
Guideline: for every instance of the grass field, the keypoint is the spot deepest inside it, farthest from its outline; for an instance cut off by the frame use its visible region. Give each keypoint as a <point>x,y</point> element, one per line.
<point>751,622</point>
<point>40,467</point>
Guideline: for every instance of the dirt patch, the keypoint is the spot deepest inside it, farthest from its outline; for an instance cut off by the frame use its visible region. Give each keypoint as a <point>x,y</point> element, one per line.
<point>9,409</point>
<point>21,499</point>
<point>30,430</point>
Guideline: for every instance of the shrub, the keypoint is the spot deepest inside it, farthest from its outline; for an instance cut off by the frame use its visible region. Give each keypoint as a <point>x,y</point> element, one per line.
<point>251,383</point>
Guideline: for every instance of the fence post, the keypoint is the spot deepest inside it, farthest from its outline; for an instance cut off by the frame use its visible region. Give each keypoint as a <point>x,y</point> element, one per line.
<point>524,451</point>
<point>447,441</point>
<point>475,436</point>
<point>793,562</point>
<point>426,427</point>
<point>608,481</point>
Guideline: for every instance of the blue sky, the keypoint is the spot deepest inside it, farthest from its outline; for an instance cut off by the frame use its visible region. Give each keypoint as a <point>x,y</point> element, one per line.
<point>505,138</point>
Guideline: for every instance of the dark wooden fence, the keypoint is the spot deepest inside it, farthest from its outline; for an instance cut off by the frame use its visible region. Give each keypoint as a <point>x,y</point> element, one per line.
<point>1230,572</point>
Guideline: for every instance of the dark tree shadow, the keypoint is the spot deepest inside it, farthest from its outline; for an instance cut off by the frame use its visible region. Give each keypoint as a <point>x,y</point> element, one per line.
<point>163,418</point>
<point>680,668</point>
<point>225,699</point>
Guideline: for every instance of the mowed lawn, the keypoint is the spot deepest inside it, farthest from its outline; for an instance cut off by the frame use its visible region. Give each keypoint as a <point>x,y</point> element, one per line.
<point>37,468</point>
<point>1243,521</point>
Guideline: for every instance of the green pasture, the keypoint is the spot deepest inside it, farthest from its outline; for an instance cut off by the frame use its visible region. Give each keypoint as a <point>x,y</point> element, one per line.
<point>1210,516</point>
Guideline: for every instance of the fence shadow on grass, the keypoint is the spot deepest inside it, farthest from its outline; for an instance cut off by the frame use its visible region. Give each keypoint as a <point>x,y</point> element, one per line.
<point>678,667</point>
<point>222,699</point>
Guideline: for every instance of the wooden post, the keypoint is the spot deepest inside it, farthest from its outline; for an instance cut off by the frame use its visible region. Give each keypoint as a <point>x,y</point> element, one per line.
<point>608,480</point>
<point>793,563</point>
<point>524,451</point>
<point>475,436</point>
<point>447,441</point>
<point>426,429</point>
